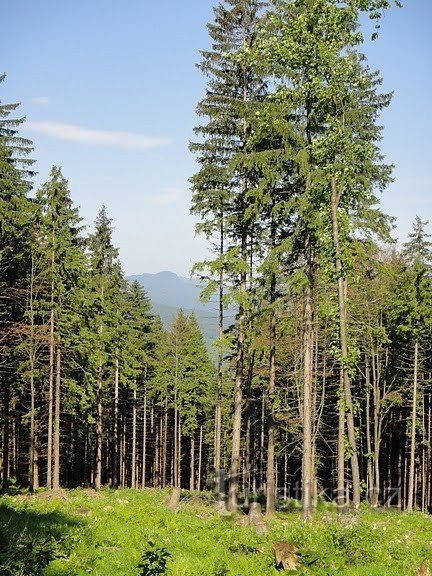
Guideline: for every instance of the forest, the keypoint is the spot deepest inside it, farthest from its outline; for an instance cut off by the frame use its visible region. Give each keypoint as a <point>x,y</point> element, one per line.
<point>321,388</point>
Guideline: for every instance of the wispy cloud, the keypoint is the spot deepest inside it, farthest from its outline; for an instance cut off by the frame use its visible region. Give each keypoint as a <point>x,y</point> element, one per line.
<point>70,132</point>
<point>41,100</point>
<point>166,197</point>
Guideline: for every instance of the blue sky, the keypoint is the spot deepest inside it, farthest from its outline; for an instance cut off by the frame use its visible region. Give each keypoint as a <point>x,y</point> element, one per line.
<point>109,91</point>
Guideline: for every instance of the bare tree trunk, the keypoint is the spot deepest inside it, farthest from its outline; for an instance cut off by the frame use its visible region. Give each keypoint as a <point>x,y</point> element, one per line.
<point>56,472</point>
<point>237,417</point>
<point>115,446</point>
<point>179,450</point>
<point>192,464</point>
<point>200,458</point>
<point>51,391</point>
<point>341,451</point>
<point>342,298</point>
<point>271,484</point>
<point>218,406</point>
<point>6,433</point>
<point>165,444</point>
<point>370,469</point>
<point>32,361</point>
<point>307,464</point>
<point>176,442</point>
<point>99,432</point>
<point>410,501</point>
<point>134,440</point>
<point>144,442</point>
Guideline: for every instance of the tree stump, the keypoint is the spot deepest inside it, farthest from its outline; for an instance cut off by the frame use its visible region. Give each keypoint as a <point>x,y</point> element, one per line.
<point>174,500</point>
<point>221,508</point>
<point>285,556</point>
<point>423,570</point>
<point>255,513</point>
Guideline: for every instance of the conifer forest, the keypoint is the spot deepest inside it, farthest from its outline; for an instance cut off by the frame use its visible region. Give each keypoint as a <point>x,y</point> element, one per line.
<point>319,386</point>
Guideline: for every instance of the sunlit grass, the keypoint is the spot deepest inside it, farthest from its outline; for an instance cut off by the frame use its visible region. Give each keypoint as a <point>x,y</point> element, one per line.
<point>81,532</point>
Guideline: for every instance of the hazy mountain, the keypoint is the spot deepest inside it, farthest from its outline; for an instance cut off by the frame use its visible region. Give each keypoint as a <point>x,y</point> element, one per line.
<point>169,292</point>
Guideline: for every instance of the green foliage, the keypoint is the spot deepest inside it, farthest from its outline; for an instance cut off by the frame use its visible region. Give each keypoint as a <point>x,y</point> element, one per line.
<point>45,537</point>
<point>154,560</point>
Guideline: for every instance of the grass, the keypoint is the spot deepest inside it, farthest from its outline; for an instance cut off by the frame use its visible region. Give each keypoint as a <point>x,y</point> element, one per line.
<point>132,533</point>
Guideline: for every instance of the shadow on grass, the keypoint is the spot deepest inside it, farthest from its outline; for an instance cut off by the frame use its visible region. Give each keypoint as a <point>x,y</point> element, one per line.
<point>30,540</point>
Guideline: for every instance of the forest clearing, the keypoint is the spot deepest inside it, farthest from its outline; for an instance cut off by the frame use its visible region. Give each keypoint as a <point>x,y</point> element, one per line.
<point>110,533</point>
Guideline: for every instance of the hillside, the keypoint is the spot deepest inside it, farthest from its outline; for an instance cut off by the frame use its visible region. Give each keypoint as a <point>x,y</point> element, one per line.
<point>132,533</point>
<point>169,293</point>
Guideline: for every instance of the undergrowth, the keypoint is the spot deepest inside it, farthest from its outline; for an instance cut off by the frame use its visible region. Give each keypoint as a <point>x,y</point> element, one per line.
<point>132,533</point>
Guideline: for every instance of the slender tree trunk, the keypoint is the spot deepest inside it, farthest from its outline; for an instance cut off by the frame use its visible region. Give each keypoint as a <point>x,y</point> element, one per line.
<point>271,485</point>
<point>200,447</point>
<point>218,406</point>
<point>99,409</point>
<point>176,442</point>
<point>410,501</point>
<point>377,431</point>
<point>192,464</point>
<point>51,389</point>
<point>165,443</point>
<point>370,474</point>
<point>115,446</point>
<point>341,450</point>
<point>134,440</point>
<point>237,416</point>
<point>32,361</point>
<point>179,450</point>
<point>56,471</point>
<point>98,469</point>
<point>144,442</point>
<point>247,443</point>
<point>6,433</point>
<point>307,464</point>
<point>342,298</point>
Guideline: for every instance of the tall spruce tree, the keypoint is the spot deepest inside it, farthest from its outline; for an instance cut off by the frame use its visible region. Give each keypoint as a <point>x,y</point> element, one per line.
<point>221,187</point>
<point>62,247</point>
<point>16,217</point>
<point>105,282</point>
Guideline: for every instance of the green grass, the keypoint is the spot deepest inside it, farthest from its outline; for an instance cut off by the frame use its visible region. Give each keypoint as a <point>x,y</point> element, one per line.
<point>111,533</point>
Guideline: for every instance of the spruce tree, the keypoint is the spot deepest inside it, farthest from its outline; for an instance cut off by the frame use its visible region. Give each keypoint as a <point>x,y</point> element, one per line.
<point>62,246</point>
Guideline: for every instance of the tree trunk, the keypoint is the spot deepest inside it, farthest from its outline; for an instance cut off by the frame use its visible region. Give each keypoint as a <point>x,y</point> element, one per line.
<point>410,500</point>
<point>342,299</point>
<point>5,438</point>
<point>271,485</point>
<point>341,451</point>
<point>56,472</point>
<point>370,469</point>
<point>218,406</point>
<point>32,361</point>
<point>144,442</point>
<point>134,440</point>
<point>307,464</point>
<point>192,464</point>
<point>115,445</point>
<point>200,459</point>
<point>237,416</point>
<point>50,393</point>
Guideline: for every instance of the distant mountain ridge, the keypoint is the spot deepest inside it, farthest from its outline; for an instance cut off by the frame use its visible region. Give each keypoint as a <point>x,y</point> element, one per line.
<point>169,292</point>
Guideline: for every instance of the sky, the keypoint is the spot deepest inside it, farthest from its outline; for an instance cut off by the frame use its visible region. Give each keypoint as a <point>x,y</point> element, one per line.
<point>109,92</point>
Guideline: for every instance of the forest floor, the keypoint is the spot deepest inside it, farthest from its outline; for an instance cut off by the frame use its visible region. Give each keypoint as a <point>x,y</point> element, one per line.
<point>133,533</point>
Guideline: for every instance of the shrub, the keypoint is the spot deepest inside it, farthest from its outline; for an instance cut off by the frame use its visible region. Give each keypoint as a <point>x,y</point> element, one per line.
<point>154,560</point>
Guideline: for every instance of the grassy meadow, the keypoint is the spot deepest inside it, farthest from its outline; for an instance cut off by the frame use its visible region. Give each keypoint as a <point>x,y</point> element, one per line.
<point>133,533</point>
